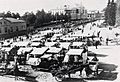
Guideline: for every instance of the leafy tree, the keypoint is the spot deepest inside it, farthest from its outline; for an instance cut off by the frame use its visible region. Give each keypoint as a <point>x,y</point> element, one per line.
<point>8,14</point>
<point>29,18</point>
<point>17,15</point>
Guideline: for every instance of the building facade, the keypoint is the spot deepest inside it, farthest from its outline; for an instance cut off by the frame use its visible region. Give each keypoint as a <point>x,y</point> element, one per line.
<point>11,25</point>
<point>59,11</point>
<point>78,13</point>
<point>95,15</point>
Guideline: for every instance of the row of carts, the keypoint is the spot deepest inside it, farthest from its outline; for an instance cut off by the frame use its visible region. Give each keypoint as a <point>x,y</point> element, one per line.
<point>60,58</point>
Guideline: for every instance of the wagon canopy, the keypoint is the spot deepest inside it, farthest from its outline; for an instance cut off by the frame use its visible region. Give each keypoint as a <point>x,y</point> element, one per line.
<point>54,50</point>
<point>39,51</point>
<point>7,49</point>
<point>37,39</point>
<point>77,43</point>
<point>21,44</point>
<point>65,44</point>
<point>23,50</point>
<point>49,44</point>
<point>74,52</point>
<point>46,56</point>
<point>35,44</point>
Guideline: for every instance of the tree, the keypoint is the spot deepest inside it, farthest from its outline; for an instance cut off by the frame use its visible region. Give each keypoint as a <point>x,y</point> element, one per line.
<point>14,15</point>
<point>17,15</point>
<point>29,18</point>
<point>8,14</point>
<point>110,14</point>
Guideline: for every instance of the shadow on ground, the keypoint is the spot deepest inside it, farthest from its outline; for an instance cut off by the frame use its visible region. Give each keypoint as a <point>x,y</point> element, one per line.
<point>90,53</point>
<point>108,72</point>
<point>74,80</point>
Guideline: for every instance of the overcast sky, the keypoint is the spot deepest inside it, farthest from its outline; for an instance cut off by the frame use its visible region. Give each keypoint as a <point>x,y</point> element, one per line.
<point>21,6</point>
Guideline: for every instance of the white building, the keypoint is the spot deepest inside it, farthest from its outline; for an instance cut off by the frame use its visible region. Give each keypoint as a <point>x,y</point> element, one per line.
<point>10,25</point>
<point>78,12</point>
<point>59,11</point>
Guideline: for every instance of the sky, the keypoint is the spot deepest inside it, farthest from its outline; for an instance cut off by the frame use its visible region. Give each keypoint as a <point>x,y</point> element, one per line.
<point>22,6</point>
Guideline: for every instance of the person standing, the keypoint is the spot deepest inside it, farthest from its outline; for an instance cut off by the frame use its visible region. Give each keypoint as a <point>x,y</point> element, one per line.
<point>16,68</point>
<point>98,34</point>
<point>107,41</point>
<point>96,44</point>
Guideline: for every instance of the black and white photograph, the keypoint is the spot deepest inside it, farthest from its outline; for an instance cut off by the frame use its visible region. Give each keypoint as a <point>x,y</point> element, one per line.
<point>59,40</point>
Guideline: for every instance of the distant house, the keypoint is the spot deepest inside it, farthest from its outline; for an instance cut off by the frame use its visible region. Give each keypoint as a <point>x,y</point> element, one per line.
<point>11,25</point>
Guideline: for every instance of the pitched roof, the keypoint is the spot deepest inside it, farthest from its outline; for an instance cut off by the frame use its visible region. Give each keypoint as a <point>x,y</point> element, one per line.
<point>13,20</point>
<point>74,52</point>
<point>39,50</point>
<point>54,50</point>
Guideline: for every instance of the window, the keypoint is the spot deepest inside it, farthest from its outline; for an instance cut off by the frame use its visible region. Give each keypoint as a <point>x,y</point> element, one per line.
<point>0,23</point>
<point>16,28</point>
<point>11,29</point>
<point>0,30</point>
<point>5,29</point>
<point>4,22</point>
<point>22,27</point>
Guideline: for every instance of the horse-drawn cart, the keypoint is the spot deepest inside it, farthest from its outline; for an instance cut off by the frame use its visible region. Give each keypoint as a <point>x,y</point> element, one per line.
<point>71,66</point>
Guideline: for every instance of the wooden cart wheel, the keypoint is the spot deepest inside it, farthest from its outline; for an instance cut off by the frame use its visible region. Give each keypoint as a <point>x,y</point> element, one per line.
<point>59,77</point>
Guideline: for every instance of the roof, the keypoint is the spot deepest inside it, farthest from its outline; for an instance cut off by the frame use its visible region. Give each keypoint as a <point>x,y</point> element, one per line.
<point>67,38</point>
<point>35,44</point>
<point>54,50</point>
<point>46,32</point>
<point>49,44</point>
<point>37,36</point>
<point>6,44</point>
<point>24,50</point>
<point>33,61</point>
<point>57,35</point>
<point>24,43</point>
<point>46,56</point>
<point>7,49</point>
<point>74,52</point>
<point>36,39</point>
<point>13,20</point>
<point>77,43</point>
<point>65,44</point>
<point>39,50</point>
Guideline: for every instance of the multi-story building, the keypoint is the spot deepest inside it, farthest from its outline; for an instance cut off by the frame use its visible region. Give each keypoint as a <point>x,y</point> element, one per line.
<point>78,13</point>
<point>59,11</point>
<point>95,15</point>
<point>11,25</point>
